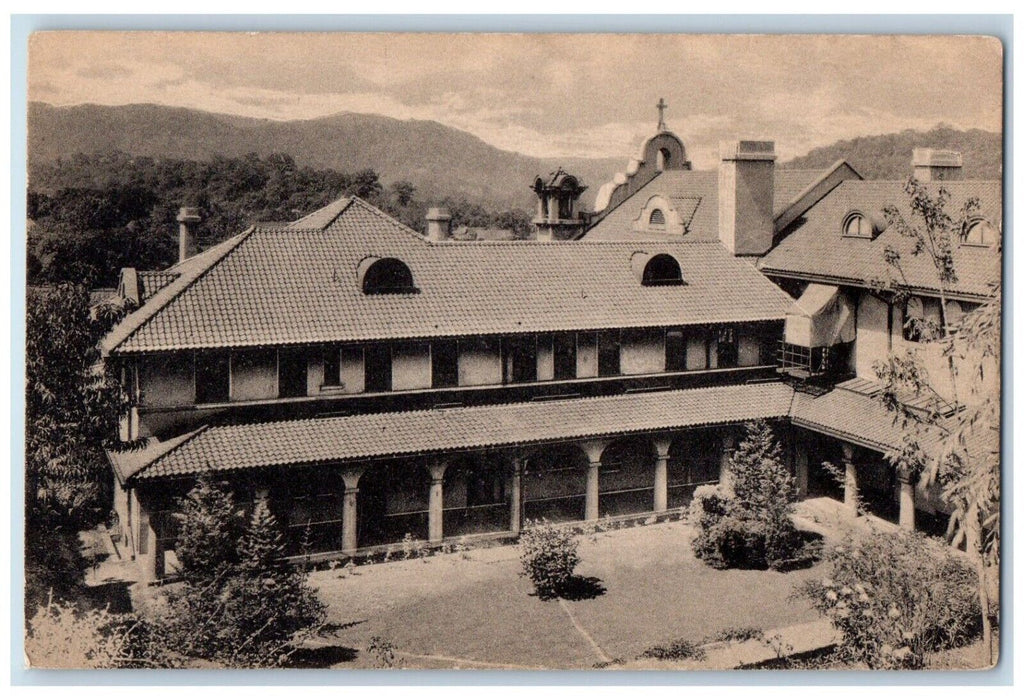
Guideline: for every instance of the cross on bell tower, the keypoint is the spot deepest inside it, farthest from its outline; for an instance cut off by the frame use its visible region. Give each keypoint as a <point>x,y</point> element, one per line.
<point>662,106</point>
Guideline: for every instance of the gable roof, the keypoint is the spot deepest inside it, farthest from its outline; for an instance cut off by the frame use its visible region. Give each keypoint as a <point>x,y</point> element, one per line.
<point>367,436</point>
<point>299,285</point>
<point>694,194</point>
<point>815,248</point>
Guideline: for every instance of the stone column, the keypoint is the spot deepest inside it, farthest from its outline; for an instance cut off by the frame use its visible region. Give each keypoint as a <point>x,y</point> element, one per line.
<point>907,495</point>
<point>435,517</point>
<point>850,496</point>
<point>800,457</point>
<point>350,511</point>
<point>516,495</point>
<point>150,554</point>
<point>593,449</point>
<point>661,447</point>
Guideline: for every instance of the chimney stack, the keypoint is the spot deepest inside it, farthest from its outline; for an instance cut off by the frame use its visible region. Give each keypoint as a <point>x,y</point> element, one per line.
<point>746,196</point>
<point>186,244</point>
<point>935,165</point>
<point>438,224</point>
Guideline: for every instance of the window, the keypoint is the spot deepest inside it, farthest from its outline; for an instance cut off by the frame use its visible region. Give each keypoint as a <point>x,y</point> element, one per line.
<point>565,355</point>
<point>388,276</point>
<point>291,373</point>
<point>675,351</point>
<point>980,233</point>
<point>914,328</point>
<point>444,363</point>
<point>662,270</point>
<point>213,376</point>
<point>378,367</point>
<point>728,355</point>
<point>519,360</point>
<point>657,219</point>
<point>332,366</point>
<point>857,225</point>
<point>608,343</point>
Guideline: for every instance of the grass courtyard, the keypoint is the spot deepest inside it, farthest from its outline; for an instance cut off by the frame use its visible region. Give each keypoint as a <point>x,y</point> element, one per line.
<point>473,610</point>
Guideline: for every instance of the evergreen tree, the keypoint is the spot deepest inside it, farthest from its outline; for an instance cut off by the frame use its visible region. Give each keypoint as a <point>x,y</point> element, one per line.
<point>209,532</point>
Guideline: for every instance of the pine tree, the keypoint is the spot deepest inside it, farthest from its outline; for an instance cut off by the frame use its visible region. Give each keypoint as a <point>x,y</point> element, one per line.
<point>262,546</point>
<point>209,532</point>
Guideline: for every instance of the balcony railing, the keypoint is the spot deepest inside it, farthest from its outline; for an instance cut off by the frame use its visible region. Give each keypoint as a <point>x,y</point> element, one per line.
<point>804,362</point>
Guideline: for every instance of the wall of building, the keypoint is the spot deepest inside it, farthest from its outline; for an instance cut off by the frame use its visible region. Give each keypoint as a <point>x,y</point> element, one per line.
<point>254,375</point>
<point>748,350</point>
<point>479,362</point>
<point>167,380</point>
<point>642,352</point>
<point>410,366</point>
<point>696,352</point>
<point>872,343</point>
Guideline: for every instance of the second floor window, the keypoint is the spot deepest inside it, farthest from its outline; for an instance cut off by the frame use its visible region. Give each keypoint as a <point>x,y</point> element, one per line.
<point>608,345</point>
<point>378,367</point>
<point>291,373</point>
<point>564,349</point>
<point>519,355</point>
<point>444,361</point>
<point>675,351</point>
<point>728,355</point>
<point>213,376</point>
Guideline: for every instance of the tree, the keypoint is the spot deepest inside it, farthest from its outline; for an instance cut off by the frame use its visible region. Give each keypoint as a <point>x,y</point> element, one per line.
<point>966,466</point>
<point>208,534</point>
<point>71,414</point>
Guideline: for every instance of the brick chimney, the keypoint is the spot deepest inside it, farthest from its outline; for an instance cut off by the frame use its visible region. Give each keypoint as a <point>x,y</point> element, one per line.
<point>438,224</point>
<point>935,165</point>
<point>746,196</point>
<point>186,243</point>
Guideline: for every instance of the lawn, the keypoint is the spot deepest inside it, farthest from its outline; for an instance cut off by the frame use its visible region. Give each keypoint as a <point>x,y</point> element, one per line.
<point>473,610</point>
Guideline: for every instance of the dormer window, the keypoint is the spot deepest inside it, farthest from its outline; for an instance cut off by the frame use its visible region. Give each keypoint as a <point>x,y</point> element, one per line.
<point>662,270</point>
<point>657,219</point>
<point>856,225</point>
<point>980,232</point>
<point>386,276</point>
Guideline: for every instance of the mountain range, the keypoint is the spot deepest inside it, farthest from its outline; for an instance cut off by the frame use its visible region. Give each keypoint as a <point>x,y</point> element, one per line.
<point>439,160</point>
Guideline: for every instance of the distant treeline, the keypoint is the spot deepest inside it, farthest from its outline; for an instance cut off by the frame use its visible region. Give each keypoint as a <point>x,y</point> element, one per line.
<point>91,215</point>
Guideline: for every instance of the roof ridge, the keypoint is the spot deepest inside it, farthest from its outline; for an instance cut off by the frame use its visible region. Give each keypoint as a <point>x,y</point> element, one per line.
<point>387,217</point>
<point>134,321</point>
<point>347,202</point>
<point>171,445</point>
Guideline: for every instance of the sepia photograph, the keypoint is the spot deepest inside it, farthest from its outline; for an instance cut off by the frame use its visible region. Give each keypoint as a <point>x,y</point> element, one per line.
<point>513,351</point>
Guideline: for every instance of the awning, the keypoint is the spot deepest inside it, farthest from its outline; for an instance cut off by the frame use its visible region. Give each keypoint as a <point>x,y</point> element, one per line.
<point>821,317</point>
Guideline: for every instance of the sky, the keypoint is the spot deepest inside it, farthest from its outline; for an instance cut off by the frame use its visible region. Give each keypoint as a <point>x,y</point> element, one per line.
<point>558,95</point>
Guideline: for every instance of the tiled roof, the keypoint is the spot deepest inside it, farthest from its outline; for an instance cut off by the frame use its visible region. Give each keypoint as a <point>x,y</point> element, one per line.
<point>151,282</point>
<point>695,194</point>
<point>816,249</point>
<point>300,285</point>
<point>852,413</point>
<point>127,463</point>
<point>339,438</point>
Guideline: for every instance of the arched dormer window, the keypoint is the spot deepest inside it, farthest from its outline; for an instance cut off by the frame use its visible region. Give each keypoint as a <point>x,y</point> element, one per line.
<point>656,219</point>
<point>856,225</point>
<point>386,276</point>
<point>980,232</point>
<point>662,270</point>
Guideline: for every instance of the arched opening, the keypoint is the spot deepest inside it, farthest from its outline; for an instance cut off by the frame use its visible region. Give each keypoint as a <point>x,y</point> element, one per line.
<point>475,495</point>
<point>662,270</point>
<point>554,484</point>
<point>664,159</point>
<point>309,506</point>
<point>656,220</point>
<point>388,276</point>
<point>980,233</point>
<point>626,483</point>
<point>394,498</point>
<point>695,459</point>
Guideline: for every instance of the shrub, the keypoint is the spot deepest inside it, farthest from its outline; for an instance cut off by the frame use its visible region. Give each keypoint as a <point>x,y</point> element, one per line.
<point>676,649</point>
<point>746,521</point>
<point>549,556</point>
<point>896,598</point>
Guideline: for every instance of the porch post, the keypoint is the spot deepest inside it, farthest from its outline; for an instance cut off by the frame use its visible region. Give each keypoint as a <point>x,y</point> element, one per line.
<point>150,555</point>
<point>907,502</point>
<point>728,448</point>
<point>593,449</point>
<point>801,469</point>
<point>435,516</point>
<point>850,495</point>
<point>661,447</point>
<point>350,511</point>
<point>516,495</point>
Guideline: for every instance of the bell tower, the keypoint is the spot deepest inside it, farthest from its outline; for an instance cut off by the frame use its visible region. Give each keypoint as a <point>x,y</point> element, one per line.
<point>558,215</point>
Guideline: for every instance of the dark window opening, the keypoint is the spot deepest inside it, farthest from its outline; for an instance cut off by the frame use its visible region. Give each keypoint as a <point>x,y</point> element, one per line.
<point>608,344</point>
<point>675,351</point>
<point>662,270</point>
<point>291,373</point>
<point>378,367</point>
<point>213,377</point>
<point>657,219</point>
<point>332,366</point>
<point>388,276</point>
<point>520,360</point>
<point>444,362</point>
<point>728,356</point>
<point>565,355</point>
